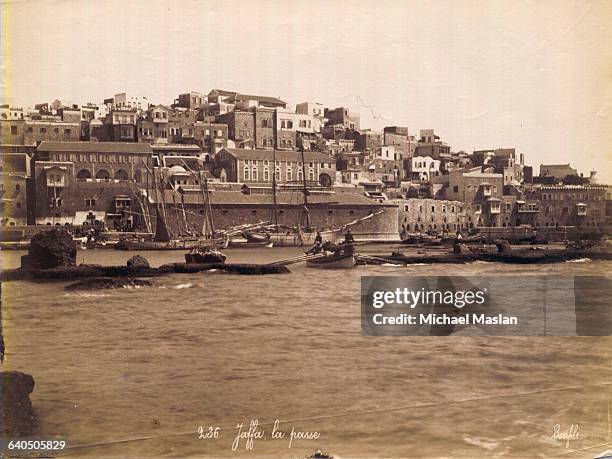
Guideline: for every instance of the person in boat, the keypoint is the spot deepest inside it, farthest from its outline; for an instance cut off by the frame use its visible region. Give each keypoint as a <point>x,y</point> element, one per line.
<point>318,238</point>
<point>348,247</point>
<point>348,237</point>
<point>329,246</point>
<point>316,248</point>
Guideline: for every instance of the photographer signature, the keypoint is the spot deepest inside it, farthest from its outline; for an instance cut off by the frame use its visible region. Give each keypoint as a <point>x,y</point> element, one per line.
<point>572,433</point>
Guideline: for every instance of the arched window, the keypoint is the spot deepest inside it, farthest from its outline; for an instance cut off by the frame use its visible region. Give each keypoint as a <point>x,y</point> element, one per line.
<point>325,180</point>
<point>102,174</point>
<point>121,175</point>
<point>266,174</point>
<point>247,175</point>
<point>254,173</point>
<point>83,174</point>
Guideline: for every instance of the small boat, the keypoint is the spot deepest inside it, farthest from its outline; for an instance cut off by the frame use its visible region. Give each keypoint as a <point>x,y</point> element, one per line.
<point>207,255</point>
<point>341,258</point>
<point>252,239</point>
<point>245,244</point>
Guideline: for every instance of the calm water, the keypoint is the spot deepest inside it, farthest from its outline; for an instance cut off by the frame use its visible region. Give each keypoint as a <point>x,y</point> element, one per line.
<point>151,365</point>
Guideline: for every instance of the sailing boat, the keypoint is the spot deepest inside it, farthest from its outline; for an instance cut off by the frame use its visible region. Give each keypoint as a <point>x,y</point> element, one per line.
<point>293,236</point>
<point>163,239</point>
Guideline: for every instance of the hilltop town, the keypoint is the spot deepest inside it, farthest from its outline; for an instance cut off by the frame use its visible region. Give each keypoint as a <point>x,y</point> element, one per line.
<point>108,163</point>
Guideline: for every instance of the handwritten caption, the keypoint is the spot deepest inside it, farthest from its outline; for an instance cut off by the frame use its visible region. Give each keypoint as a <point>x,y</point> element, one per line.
<point>245,435</point>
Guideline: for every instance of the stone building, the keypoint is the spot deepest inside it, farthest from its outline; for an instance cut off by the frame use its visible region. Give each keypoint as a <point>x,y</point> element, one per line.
<point>368,140</point>
<point>191,100</point>
<point>397,136</point>
<point>429,144</point>
<point>481,192</point>
<point>212,137</point>
<point>240,127</point>
<point>14,173</point>
<point>342,116</point>
<point>583,206</point>
<point>440,216</point>
<point>327,210</point>
<point>557,171</point>
<point>265,128</point>
<point>423,168</point>
<point>119,126</point>
<point>75,181</point>
<point>257,166</point>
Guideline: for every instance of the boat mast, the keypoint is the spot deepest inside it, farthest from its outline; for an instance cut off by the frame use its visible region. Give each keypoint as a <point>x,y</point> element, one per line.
<point>209,216</point>
<point>305,190</point>
<point>274,208</point>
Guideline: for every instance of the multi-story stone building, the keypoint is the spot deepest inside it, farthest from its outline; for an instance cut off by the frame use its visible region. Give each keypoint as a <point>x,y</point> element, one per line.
<point>583,206</point>
<point>191,100</point>
<point>257,166</point>
<point>481,192</point>
<point>397,137</point>
<point>557,171</point>
<point>265,127</point>
<point>212,137</point>
<point>240,127</point>
<point>14,173</point>
<point>314,110</point>
<point>11,113</point>
<point>504,161</point>
<point>423,168</point>
<point>429,144</point>
<point>342,116</point>
<point>119,126</point>
<point>441,216</point>
<point>368,140</point>
<point>74,182</point>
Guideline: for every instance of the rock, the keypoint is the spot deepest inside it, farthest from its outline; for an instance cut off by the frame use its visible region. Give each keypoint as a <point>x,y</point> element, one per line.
<point>17,418</point>
<point>461,249</point>
<point>503,246</point>
<point>108,283</point>
<point>50,249</point>
<point>138,261</point>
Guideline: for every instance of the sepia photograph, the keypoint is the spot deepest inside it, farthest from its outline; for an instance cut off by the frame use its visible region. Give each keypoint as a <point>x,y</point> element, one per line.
<point>306,229</point>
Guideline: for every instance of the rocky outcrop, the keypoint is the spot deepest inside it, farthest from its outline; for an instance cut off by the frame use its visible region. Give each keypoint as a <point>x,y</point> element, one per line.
<point>461,249</point>
<point>503,246</point>
<point>50,249</point>
<point>96,271</point>
<point>108,283</point>
<point>17,418</point>
<point>138,261</point>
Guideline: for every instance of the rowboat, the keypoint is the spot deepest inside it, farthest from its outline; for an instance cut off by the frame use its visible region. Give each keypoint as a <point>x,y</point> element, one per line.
<point>333,261</point>
<point>244,244</point>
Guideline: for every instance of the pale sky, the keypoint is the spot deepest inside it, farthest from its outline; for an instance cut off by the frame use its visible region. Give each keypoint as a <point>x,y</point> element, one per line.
<point>535,75</point>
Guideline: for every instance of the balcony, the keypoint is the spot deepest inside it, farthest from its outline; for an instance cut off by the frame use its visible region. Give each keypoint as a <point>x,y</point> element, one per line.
<point>527,207</point>
<point>581,209</point>
<point>494,205</point>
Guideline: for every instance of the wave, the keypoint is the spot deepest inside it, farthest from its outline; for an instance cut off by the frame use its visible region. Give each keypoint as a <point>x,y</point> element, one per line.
<point>87,294</point>
<point>579,260</point>
<point>181,286</point>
